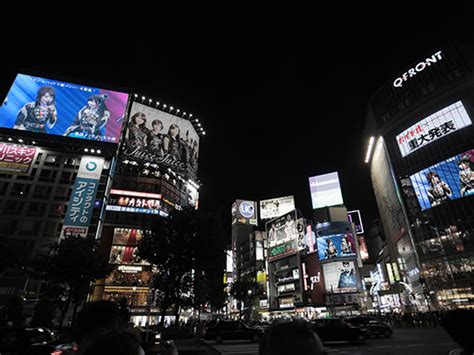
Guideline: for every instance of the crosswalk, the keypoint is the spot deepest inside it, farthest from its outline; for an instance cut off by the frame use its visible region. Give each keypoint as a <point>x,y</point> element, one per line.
<point>235,347</point>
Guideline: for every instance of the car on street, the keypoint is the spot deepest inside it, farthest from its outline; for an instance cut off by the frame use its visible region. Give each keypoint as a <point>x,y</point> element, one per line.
<point>372,325</point>
<point>232,330</point>
<point>335,329</point>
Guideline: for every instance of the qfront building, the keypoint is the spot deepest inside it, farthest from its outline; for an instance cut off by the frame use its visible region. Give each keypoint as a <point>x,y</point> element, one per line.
<point>421,160</point>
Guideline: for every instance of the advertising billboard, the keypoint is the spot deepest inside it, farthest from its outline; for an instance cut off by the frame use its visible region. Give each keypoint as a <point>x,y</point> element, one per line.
<point>81,203</point>
<point>16,160</point>
<point>127,236</point>
<point>276,207</point>
<point>156,137</point>
<point>244,212</point>
<point>336,246</point>
<point>285,249</point>
<point>325,190</point>
<point>135,202</point>
<point>354,217</point>
<point>340,276</point>
<point>122,254</point>
<point>438,125</point>
<point>450,179</point>
<point>60,108</point>
<point>282,229</point>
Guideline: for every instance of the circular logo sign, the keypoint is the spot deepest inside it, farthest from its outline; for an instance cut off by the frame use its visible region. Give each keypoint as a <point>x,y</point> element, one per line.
<point>91,166</point>
<point>246,209</point>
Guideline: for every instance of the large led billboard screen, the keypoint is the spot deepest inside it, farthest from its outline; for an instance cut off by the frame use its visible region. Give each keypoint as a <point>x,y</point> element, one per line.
<point>135,202</point>
<point>60,108</point>
<point>156,137</point>
<point>340,276</point>
<point>450,179</point>
<point>438,125</point>
<point>336,246</point>
<point>276,207</point>
<point>325,190</point>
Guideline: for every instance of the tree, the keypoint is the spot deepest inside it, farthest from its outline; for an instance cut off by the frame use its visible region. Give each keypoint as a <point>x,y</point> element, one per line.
<point>71,265</point>
<point>169,245</point>
<point>245,291</point>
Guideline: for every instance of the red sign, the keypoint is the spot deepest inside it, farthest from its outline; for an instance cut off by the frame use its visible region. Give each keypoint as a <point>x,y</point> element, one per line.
<point>16,160</point>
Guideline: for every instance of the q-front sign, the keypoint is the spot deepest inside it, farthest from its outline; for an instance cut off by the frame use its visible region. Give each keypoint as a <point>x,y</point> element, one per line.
<point>398,82</point>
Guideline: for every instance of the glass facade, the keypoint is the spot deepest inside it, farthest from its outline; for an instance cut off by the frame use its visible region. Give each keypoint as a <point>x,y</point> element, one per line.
<point>433,185</point>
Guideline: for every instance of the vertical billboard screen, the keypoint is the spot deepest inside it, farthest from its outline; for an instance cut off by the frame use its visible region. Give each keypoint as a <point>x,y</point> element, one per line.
<point>156,137</point>
<point>325,190</point>
<point>340,276</point>
<point>276,207</point>
<point>438,125</point>
<point>354,217</point>
<point>450,179</point>
<point>60,108</point>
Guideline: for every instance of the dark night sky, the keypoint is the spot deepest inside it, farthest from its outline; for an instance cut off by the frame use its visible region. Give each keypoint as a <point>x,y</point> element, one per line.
<point>282,91</point>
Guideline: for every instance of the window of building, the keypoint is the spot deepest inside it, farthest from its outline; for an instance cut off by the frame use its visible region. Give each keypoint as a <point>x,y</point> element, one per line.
<point>42,191</point>
<point>36,209</point>
<point>20,190</point>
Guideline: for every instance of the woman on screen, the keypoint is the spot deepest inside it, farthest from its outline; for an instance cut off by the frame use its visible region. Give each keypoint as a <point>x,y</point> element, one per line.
<point>155,139</point>
<point>171,142</point>
<point>346,246</point>
<point>90,119</point>
<point>36,116</point>
<point>331,250</point>
<point>137,133</point>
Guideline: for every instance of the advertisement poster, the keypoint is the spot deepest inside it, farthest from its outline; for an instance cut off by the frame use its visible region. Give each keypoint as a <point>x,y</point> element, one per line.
<point>127,236</point>
<point>156,137</point>
<point>438,125</point>
<point>354,217</point>
<point>450,179</point>
<point>282,229</point>
<point>59,108</point>
<point>340,277</point>
<point>276,207</point>
<point>336,246</point>
<point>17,160</point>
<point>81,203</point>
<point>325,190</point>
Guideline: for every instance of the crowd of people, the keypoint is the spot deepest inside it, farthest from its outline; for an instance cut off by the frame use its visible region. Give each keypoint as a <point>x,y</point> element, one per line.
<point>416,319</point>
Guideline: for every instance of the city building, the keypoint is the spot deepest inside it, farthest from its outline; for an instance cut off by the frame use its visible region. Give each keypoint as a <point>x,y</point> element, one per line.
<point>56,161</point>
<point>421,155</point>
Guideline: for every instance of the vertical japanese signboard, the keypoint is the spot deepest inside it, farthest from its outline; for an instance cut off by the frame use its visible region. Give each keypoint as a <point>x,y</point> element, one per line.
<point>81,204</point>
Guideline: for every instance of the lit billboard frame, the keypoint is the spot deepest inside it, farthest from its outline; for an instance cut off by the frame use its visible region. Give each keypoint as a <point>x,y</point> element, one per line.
<point>440,124</point>
<point>59,108</point>
<point>449,179</point>
<point>276,207</point>
<point>325,190</point>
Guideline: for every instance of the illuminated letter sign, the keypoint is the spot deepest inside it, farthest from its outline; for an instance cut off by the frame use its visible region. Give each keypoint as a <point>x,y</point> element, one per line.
<point>398,82</point>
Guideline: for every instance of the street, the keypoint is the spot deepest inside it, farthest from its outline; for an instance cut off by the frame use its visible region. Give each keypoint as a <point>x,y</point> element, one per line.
<point>406,341</point>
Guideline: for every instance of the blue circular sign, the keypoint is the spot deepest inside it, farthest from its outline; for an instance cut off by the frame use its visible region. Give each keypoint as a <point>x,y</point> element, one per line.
<point>246,209</point>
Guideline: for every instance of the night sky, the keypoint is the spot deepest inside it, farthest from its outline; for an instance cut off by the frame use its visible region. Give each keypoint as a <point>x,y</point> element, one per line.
<point>282,91</point>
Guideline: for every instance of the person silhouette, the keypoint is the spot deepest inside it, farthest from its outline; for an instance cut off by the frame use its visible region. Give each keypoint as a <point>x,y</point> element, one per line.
<point>459,324</point>
<point>290,337</point>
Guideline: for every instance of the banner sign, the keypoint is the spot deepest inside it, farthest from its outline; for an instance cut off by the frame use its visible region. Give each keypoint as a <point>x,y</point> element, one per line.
<point>16,160</point>
<point>81,204</point>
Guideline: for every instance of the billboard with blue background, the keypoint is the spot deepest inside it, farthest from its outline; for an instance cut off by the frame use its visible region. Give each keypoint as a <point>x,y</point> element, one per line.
<point>60,108</point>
<point>336,246</point>
<point>450,179</point>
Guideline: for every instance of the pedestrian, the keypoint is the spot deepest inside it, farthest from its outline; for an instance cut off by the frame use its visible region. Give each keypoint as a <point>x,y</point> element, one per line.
<point>459,324</point>
<point>290,337</point>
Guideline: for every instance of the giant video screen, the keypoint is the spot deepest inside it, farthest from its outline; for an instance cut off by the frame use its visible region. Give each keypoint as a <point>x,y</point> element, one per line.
<point>156,137</point>
<point>60,108</point>
<point>325,190</point>
<point>336,246</point>
<point>340,276</point>
<point>450,179</point>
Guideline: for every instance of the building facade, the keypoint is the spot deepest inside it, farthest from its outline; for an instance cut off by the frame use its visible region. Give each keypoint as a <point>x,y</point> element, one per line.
<point>421,171</point>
